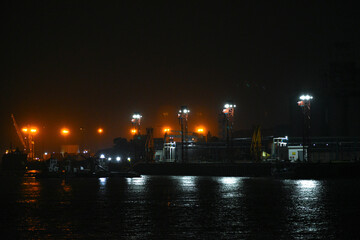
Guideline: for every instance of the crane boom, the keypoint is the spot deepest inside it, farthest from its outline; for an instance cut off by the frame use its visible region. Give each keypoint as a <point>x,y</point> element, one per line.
<point>18,131</point>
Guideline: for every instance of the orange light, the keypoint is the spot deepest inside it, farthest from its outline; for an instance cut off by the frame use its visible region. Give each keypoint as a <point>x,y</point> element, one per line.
<point>133,131</point>
<point>65,131</point>
<point>100,130</point>
<point>166,129</point>
<point>32,130</point>
<point>200,130</point>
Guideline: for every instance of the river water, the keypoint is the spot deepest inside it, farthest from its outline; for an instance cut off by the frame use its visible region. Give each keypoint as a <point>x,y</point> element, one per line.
<point>178,207</point>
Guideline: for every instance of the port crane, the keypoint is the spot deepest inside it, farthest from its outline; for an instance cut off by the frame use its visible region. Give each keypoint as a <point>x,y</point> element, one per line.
<point>19,132</point>
<point>28,140</point>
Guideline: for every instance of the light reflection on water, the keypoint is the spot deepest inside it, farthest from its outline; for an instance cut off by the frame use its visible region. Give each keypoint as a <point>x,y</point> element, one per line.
<point>230,186</point>
<point>138,181</point>
<point>30,191</point>
<point>309,209</point>
<point>167,207</point>
<point>188,183</point>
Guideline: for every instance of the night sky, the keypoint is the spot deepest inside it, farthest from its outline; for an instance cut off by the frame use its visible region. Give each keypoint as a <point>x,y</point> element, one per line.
<point>91,64</point>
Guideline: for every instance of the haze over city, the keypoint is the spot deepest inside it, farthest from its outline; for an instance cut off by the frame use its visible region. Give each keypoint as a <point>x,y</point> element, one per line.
<point>93,64</point>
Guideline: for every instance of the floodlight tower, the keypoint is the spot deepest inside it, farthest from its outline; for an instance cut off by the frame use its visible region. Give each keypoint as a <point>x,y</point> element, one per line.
<point>136,121</point>
<point>30,133</point>
<point>304,103</point>
<point>183,118</point>
<point>229,110</point>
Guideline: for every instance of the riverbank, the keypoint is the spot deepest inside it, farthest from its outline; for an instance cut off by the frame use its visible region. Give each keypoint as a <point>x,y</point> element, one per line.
<point>281,170</point>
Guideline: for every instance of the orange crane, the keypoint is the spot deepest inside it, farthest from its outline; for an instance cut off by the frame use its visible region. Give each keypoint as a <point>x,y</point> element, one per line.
<point>19,132</point>
<point>29,143</point>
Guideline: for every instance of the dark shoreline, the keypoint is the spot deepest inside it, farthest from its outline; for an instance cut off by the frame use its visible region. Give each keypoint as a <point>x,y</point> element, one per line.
<point>280,170</point>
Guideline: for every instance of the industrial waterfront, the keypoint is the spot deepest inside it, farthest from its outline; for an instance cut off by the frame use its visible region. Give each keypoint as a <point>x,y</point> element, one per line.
<point>180,120</point>
<point>178,207</point>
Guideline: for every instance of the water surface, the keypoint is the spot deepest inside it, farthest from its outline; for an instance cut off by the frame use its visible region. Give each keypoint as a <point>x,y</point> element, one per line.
<point>178,207</point>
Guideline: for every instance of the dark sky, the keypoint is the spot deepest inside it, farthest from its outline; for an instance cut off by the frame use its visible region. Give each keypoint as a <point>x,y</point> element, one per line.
<point>90,64</point>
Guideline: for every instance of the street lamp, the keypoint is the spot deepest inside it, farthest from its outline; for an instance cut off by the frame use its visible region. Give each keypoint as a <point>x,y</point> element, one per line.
<point>304,103</point>
<point>166,130</point>
<point>65,132</point>
<point>200,130</point>
<point>183,116</point>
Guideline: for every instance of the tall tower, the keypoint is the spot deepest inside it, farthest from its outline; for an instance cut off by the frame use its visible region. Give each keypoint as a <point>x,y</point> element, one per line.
<point>304,103</point>
<point>136,122</point>
<point>229,111</point>
<point>183,118</point>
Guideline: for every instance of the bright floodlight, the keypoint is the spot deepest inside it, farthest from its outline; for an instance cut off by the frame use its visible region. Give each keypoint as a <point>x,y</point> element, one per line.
<point>184,109</point>
<point>102,156</point>
<point>129,159</point>
<point>200,130</point>
<point>109,158</point>
<point>136,116</point>
<point>118,159</point>
<point>229,105</point>
<point>65,131</point>
<point>306,97</point>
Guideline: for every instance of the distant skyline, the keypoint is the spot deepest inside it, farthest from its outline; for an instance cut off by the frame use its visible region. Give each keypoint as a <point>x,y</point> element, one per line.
<point>92,64</point>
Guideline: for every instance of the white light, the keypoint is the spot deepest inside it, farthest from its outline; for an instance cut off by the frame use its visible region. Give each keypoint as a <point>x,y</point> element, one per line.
<point>306,97</point>
<point>118,159</point>
<point>102,181</point>
<point>231,105</point>
<point>129,159</point>
<point>307,184</point>
<point>109,158</point>
<point>137,116</point>
<point>230,180</point>
<point>46,153</point>
<point>234,106</point>
<point>227,106</point>
<point>102,156</point>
